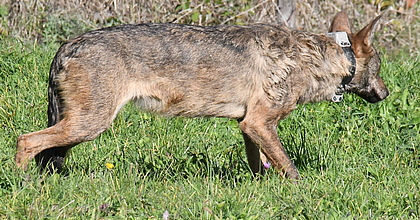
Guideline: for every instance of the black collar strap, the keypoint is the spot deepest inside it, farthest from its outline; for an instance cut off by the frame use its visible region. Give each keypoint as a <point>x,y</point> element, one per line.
<point>342,39</point>
<point>352,69</point>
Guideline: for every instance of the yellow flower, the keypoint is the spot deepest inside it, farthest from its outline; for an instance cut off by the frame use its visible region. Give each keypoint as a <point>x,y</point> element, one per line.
<point>109,165</point>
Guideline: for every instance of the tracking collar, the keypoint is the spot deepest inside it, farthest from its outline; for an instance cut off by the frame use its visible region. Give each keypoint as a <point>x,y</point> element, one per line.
<point>342,39</point>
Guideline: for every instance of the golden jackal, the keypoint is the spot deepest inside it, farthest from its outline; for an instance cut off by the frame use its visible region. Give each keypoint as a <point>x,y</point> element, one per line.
<point>256,74</point>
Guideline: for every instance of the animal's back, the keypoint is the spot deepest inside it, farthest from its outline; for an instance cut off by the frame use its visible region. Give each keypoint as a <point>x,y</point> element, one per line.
<point>168,68</point>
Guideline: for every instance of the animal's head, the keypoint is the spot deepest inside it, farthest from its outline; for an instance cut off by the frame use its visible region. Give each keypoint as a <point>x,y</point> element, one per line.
<point>366,81</point>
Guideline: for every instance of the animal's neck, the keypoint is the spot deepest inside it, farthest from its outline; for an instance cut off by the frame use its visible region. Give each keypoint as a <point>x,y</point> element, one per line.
<point>341,38</point>
<point>325,76</point>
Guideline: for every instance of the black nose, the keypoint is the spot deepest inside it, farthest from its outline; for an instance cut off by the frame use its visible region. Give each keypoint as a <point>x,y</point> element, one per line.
<point>376,96</point>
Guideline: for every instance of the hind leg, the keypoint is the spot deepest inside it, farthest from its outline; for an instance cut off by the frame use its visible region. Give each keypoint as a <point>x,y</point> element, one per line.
<point>81,122</point>
<point>68,132</point>
<point>52,159</point>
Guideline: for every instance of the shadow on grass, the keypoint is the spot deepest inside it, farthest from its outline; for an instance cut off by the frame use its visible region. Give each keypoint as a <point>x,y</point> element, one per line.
<point>229,167</point>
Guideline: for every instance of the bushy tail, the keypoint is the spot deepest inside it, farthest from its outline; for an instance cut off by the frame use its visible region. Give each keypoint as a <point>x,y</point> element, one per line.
<point>54,100</point>
<point>52,159</point>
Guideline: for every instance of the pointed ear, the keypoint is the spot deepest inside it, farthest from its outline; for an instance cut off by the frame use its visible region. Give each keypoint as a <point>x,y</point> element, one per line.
<point>362,40</point>
<point>340,23</point>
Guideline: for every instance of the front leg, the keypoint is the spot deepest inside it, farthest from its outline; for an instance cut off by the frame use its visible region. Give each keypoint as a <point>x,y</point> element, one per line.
<point>264,135</point>
<point>255,158</point>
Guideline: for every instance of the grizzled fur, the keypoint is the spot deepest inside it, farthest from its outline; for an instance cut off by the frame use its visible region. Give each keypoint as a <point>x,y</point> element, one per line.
<point>256,74</point>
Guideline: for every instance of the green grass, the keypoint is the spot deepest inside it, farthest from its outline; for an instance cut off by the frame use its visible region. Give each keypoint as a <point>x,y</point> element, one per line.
<point>357,160</point>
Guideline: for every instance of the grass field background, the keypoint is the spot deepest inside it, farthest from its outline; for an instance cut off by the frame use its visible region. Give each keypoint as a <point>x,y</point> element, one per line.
<point>357,160</point>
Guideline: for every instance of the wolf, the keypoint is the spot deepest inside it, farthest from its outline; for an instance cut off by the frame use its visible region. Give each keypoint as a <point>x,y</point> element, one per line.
<point>256,74</point>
